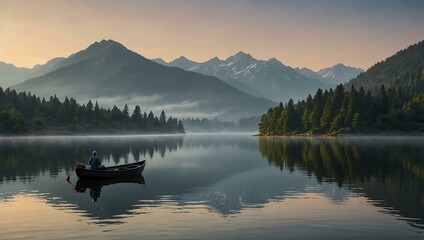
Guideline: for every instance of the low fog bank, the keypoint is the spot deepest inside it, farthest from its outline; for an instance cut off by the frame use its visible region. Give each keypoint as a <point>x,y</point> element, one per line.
<point>177,109</point>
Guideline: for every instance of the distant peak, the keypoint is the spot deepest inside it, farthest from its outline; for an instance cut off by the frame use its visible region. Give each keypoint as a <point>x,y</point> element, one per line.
<point>106,43</point>
<point>182,58</point>
<point>275,61</point>
<point>103,48</point>
<point>109,41</point>
<point>241,56</point>
<point>214,60</point>
<point>341,65</point>
<point>241,52</point>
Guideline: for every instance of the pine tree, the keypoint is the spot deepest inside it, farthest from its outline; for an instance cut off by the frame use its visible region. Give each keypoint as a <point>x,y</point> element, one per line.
<point>338,123</point>
<point>384,102</point>
<point>125,112</point>
<point>352,107</point>
<point>96,112</point>
<point>305,120</point>
<point>338,97</point>
<point>356,122</point>
<point>289,118</point>
<point>316,113</point>
<point>180,127</point>
<point>263,124</point>
<point>136,115</point>
<point>89,109</point>
<point>328,114</point>
<point>162,118</point>
<point>116,114</point>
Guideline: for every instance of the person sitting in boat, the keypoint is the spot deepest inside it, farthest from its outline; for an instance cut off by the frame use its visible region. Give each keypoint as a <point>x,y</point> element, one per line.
<point>95,162</point>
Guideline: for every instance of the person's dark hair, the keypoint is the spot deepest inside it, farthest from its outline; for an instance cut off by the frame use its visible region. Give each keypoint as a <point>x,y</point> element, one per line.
<point>94,153</point>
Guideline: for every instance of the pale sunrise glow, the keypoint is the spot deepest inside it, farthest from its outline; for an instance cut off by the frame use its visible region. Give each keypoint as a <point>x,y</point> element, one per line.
<point>172,215</point>
<point>314,34</point>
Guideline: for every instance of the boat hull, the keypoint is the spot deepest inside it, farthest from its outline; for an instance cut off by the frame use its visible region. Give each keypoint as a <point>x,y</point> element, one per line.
<point>119,171</point>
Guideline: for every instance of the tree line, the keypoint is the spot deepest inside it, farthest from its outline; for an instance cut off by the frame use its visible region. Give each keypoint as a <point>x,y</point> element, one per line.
<point>26,113</point>
<point>340,111</point>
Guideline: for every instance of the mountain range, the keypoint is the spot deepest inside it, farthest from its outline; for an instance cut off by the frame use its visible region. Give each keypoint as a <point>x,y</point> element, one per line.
<point>238,86</point>
<point>269,79</point>
<point>11,75</point>
<point>110,73</point>
<point>337,74</point>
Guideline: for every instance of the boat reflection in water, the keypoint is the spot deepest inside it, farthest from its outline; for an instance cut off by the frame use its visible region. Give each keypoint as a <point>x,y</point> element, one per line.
<point>95,185</point>
<point>217,185</point>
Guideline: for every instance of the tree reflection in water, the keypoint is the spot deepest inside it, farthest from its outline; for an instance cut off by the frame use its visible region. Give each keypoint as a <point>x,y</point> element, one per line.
<point>225,173</point>
<point>389,171</point>
<point>26,158</point>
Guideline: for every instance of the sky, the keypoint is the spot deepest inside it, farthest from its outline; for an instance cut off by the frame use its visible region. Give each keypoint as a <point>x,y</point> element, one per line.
<point>299,33</point>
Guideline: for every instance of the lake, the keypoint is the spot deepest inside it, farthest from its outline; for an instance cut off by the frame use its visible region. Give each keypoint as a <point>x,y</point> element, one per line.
<point>215,186</point>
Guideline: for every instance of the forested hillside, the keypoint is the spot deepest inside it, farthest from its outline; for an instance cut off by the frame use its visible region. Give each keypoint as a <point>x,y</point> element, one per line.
<point>341,111</point>
<point>404,69</point>
<point>23,112</point>
<point>389,97</point>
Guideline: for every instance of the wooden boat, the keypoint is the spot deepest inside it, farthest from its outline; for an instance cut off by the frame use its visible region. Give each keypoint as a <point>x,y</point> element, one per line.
<point>119,171</point>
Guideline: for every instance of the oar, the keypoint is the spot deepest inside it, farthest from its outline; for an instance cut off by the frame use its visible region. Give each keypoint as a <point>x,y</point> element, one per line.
<point>68,178</point>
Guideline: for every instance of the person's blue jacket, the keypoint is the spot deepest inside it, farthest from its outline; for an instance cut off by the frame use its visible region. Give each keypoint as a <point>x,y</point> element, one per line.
<point>94,162</point>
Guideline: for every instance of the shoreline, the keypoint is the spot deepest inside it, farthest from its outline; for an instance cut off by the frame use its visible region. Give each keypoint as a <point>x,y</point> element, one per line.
<point>343,135</point>
<point>132,134</point>
<point>94,134</point>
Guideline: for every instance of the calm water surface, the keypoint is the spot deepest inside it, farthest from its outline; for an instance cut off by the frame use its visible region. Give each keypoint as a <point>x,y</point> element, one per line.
<point>215,186</point>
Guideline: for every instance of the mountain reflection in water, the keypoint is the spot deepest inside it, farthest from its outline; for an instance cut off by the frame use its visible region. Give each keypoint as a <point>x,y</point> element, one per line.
<point>226,174</point>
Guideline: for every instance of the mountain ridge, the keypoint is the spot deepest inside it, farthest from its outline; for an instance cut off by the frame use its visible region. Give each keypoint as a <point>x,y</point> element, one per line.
<point>109,71</point>
<point>11,75</point>
<point>269,78</point>
<point>339,73</point>
<point>405,69</point>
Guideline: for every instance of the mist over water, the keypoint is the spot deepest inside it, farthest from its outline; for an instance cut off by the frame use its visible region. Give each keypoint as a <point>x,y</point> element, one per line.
<point>216,185</point>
